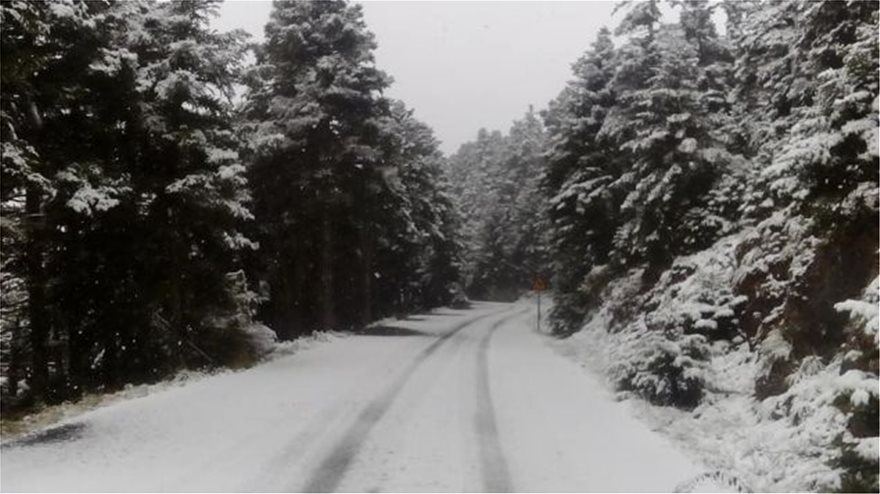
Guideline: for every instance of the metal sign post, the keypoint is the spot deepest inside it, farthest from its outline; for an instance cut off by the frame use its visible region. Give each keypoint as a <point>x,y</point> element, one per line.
<point>539,285</point>
<point>539,311</point>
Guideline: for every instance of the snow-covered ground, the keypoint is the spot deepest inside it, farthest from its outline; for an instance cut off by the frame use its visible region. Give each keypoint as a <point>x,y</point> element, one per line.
<point>741,440</point>
<point>457,400</point>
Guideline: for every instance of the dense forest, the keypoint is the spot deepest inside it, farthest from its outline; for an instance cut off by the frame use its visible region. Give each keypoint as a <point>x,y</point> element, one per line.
<point>703,198</point>
<point>496,181</point>
<point>152,220</point>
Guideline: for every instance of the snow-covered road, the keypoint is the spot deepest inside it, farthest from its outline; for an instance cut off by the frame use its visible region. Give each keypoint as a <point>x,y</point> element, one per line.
<point>469,400</point>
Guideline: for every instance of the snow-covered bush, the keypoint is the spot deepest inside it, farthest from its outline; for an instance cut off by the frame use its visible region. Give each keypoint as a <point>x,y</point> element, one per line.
<point>660,341</point>
<point>818,412</point>
<point>237,338</point>
<point>622,298</point>
<point>660,362</point>
<point>663,367</point>
<point>694,296</point>
<point>716,481</point>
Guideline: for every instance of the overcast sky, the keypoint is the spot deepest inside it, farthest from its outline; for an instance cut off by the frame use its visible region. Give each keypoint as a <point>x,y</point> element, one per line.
<point>466,65</point>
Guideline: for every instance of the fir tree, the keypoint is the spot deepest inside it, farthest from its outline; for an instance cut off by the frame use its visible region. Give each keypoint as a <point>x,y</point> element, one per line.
<point>313,117</point>
<point>582,168</point>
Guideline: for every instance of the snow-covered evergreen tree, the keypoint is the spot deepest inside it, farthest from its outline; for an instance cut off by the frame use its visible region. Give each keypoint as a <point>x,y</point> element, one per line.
<point>665,132</point>
<point>27,69</point>
<point>349,214</point>
<point>140,223</point>
<point>420,254</point>
<point>191,184</point>
<point>581,179</point>
<point>313,116</point>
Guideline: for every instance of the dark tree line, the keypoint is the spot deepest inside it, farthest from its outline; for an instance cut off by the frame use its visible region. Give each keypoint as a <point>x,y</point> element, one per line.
<point>151,221</point>
<point>496,183</point>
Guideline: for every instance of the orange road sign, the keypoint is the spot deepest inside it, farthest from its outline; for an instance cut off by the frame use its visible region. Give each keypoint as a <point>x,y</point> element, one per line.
<point>539,285</point>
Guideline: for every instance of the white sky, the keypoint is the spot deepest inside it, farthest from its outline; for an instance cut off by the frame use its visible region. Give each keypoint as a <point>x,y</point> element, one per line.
<point>466,65</point>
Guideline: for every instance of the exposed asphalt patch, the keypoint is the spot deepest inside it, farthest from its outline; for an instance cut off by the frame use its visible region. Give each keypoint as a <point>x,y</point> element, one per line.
<point>57,434</point>
<point>392,331</point>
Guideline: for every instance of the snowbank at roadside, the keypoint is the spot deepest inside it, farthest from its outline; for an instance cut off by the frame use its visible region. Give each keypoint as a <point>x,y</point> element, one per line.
<point>271,349</point>
<point>791,441</point>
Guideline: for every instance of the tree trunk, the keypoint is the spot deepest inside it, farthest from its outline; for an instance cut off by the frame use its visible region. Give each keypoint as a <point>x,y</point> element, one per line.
<point>36,279</point>
<point>299,293</point>
<point>36,286</point>
<point>13,372</point>
<point>366,273</point>
<point>280,300</point>
<point>328,316</point>
<point>175,290</point>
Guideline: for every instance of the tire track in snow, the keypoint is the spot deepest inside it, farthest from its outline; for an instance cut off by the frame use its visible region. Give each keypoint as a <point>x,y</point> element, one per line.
<point>493,466</point>
<point>330,471</point>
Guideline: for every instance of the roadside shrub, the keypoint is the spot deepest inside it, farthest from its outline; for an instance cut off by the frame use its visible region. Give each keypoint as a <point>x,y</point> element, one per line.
<point>664,368</point>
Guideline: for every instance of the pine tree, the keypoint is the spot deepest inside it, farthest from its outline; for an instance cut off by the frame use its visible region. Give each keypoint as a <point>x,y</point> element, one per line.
<point>528,226</point>
<point>46,49</point>
<point>834,149</point>
<point>663,123</point>
<point>131,256</point>
<point>196,199</point>
<point>336,174</point>
<point>582,169</point>
<point>419,253</point>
